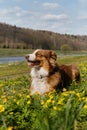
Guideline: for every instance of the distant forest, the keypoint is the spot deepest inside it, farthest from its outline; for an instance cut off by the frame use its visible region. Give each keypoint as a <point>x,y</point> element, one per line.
<point>17,37</point>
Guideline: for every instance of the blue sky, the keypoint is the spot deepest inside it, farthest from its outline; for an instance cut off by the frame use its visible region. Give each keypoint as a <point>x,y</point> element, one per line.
<point>61,16</point>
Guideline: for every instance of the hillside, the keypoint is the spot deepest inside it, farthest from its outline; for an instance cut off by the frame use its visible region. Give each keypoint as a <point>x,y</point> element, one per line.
<point>16,37</point>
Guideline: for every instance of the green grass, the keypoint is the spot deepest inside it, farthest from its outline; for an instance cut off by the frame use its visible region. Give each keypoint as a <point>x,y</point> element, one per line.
<point>22,52</point>
<point>72,59</point>
<point>13,69</point>
<point>21,68</point>
<point>62,110</point>
<point>14,52</point>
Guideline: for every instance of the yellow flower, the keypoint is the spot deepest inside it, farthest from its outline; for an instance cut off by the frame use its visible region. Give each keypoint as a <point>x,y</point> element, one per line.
<point>11,113</point>
<point>53,102</point>
<point>78,94</point>
<point>85,106</point>
<point>51,96</point>
<point>65,94</point>
<point>17,102</point>
<point>64,89</point>
<point>55,108</point>
<point>86,100</point>
<point>81,64</point>
<point>9,128</point>
<point>20,95</point>
<point>48,101</point>
<point>1,85</point>
<point>28,102</point>
<point>45,105</point>
<point>72,92</point>
<point>42,102</point>
<point>60,102</point>
<point>14,91</point>
<point>28,96</point>
<point>3,97</point>
<point>84,69</point>
<point>4,100</point>
<point>2,108</point>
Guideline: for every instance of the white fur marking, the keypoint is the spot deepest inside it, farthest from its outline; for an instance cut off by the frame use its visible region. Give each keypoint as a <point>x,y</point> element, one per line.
<point>39,81</point>
<point>43,72</point>
<point>33,56</point>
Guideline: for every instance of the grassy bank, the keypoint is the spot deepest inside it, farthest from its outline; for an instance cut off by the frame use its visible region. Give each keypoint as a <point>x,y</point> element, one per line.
<point>62,110</point>
<point>22,52</point>
<point>14,52</point>
<point>20,68</point>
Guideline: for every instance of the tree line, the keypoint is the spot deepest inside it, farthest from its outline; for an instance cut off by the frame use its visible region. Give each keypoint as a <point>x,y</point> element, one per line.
<point>17,37</point>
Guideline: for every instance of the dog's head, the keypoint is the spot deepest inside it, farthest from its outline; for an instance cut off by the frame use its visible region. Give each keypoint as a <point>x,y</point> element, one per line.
<point>38,57</point>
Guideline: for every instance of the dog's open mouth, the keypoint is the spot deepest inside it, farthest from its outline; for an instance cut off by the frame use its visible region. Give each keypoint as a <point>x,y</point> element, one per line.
<point>33,63</point>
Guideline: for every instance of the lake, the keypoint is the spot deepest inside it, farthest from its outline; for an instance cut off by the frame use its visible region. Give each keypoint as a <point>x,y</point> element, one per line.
<point>11,59</point>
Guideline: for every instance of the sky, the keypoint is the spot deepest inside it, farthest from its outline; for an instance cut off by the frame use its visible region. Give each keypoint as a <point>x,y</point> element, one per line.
<point>60,16</point>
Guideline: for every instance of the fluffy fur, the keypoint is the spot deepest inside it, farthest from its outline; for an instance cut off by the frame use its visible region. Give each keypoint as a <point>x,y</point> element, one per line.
<point>46,74</point>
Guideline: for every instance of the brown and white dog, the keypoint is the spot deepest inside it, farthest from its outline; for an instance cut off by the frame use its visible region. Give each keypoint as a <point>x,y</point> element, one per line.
<point>46,74</point>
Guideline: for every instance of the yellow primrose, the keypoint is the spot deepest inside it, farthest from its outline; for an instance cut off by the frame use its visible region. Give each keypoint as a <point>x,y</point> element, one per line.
<point>14,91</point>
<point>64,89</point>
<point>42,102</point>
<point>2,108</point>
<point>65,94</point>
<point>78,94</point>
<point>28,96</point>
<point>4,100</point>
<point>55,108</point>
<point>53,102</point>
<point>60,102</point>
<point>9,128</point>
<point>11,113</point>
<point>3,96</point>
<point>45,105</point>
<point>17,102</point>
<point>48,101</point>
<point>72,92</point>
<point>81,64</point>
<point>1,85</point>
<point>85,99</point>
<point>84,69</point>
<point>85,106</point>
<point>28,102</point>
<point>51,96</point>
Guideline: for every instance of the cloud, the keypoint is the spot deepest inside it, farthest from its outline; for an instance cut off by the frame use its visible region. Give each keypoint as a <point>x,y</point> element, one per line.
<point>16,12</point>
<point>82,15</point>
<point>50,5</point>
<point>9,11</point>
<point>54,17</point>
<point>83,18</point>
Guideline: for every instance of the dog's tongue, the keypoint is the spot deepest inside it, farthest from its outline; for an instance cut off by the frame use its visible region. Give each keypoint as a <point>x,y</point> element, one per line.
<point>31,64</point>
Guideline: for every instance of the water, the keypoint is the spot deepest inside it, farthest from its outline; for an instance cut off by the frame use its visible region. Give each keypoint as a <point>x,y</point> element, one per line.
<point>11,59</point>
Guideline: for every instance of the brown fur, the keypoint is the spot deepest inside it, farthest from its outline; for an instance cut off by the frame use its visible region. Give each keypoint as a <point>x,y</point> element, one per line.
<point>58,76</point>
<point>68,74</point>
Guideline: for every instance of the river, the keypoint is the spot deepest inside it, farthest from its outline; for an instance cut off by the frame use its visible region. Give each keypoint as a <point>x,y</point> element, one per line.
<point>11,59</point>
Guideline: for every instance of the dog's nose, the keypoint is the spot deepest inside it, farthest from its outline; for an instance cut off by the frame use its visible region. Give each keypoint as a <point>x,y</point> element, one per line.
<point>27,57</point>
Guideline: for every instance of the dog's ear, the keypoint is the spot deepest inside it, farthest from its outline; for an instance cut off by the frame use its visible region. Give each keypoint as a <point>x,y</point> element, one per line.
<point>53,55</point>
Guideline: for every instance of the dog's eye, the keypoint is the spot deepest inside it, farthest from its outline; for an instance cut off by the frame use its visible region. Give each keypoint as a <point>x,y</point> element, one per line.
<point>39,55</point>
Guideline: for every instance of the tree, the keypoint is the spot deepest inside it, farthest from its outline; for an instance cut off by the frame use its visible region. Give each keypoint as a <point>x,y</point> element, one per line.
<point>66,47</point>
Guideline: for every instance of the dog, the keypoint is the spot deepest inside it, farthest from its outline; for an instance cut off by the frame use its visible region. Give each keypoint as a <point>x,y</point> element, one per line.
<point>46,74</point>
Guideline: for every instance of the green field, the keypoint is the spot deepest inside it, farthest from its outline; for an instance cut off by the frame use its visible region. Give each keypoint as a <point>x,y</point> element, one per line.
<point>22,52</point>
<point>13,52</point>
<point>62,110</point>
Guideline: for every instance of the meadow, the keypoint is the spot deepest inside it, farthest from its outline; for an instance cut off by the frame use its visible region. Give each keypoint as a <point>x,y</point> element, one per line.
<point>61,110</point>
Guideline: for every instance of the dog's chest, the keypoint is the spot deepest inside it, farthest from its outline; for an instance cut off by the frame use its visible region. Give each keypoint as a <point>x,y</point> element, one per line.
<point>39,85</point>
<point>39,82</point>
